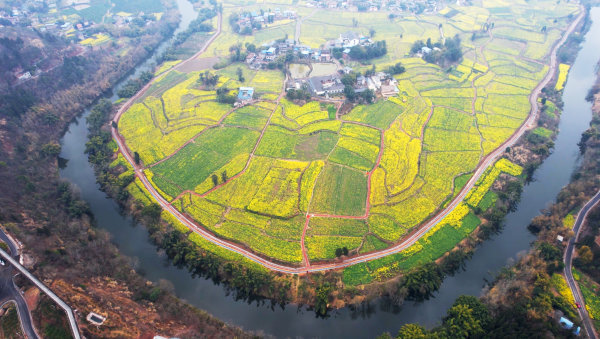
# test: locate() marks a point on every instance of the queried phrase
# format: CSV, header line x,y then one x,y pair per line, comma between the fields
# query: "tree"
x,y
114,124
460,323
136,158
240,74
396,69
338,252
411,331
585,254
98,115
349,93
250,47
322,299
422,282
345,250
152,212
480,311
215,179
51,149
224,176
368,95
371,32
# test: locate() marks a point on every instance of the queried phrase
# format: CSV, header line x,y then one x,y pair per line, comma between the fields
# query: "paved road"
x,y
70,315
568,259
406,243
9,292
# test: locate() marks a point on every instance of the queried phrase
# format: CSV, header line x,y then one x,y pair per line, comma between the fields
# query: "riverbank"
x,y
57,228
180,242
353,321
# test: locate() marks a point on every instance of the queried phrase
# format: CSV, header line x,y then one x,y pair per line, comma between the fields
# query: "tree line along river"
x,y
376,317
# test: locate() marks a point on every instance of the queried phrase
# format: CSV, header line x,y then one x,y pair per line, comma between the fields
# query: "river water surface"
x,y
377,317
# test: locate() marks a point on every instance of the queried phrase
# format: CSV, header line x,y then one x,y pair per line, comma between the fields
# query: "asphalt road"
x,y
568,259
10,292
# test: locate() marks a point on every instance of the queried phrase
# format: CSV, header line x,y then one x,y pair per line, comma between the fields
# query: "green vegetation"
x,y
274,160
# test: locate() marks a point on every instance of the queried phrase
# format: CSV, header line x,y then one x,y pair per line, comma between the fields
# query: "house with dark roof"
x,y
326,85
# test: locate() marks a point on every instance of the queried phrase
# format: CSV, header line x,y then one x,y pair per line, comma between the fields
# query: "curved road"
x,y
10,293
568,259
409,241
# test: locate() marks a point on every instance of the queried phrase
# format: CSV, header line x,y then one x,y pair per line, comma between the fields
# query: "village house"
x,y
326,85
245,94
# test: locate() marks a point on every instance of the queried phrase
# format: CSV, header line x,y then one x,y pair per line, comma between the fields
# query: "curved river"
x,y
371,319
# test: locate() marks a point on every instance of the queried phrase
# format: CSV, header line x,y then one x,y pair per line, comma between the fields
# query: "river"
x,y
377,317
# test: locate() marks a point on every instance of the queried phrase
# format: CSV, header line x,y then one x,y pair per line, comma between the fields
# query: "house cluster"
x,y
346,41
398,6
331,85
380,82
269,52
257,19
50,16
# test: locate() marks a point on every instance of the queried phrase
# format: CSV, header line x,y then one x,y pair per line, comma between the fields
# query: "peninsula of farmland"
x,y
373,185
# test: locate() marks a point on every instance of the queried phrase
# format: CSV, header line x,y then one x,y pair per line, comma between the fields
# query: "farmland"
x,y
294,183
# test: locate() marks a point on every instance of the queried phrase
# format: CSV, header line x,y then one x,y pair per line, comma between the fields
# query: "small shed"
x,y
245,93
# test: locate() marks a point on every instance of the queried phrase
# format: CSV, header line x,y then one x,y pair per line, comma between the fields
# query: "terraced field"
x,y
295,185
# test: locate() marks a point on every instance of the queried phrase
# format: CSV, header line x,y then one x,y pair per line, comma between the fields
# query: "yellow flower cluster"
x,y
559,283
563,70
484,183
309,178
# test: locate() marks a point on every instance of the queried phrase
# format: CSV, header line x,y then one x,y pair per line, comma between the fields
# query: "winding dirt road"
x,y
406,243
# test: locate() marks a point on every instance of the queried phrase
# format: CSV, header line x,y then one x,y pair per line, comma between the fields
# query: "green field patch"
x,y
450,119
257,240
438,242
323,247
163,186
240,191
247,217
458,103
204,211
309,117
235,166
346,157
248,116
308,182
277,143
315,146
357,275
137,190
340,191
364,133
488,200
210,151
223,252
147,139
385,227
277,194
380,114
289,229
329,125
543,132
371,243
444,140
337,226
